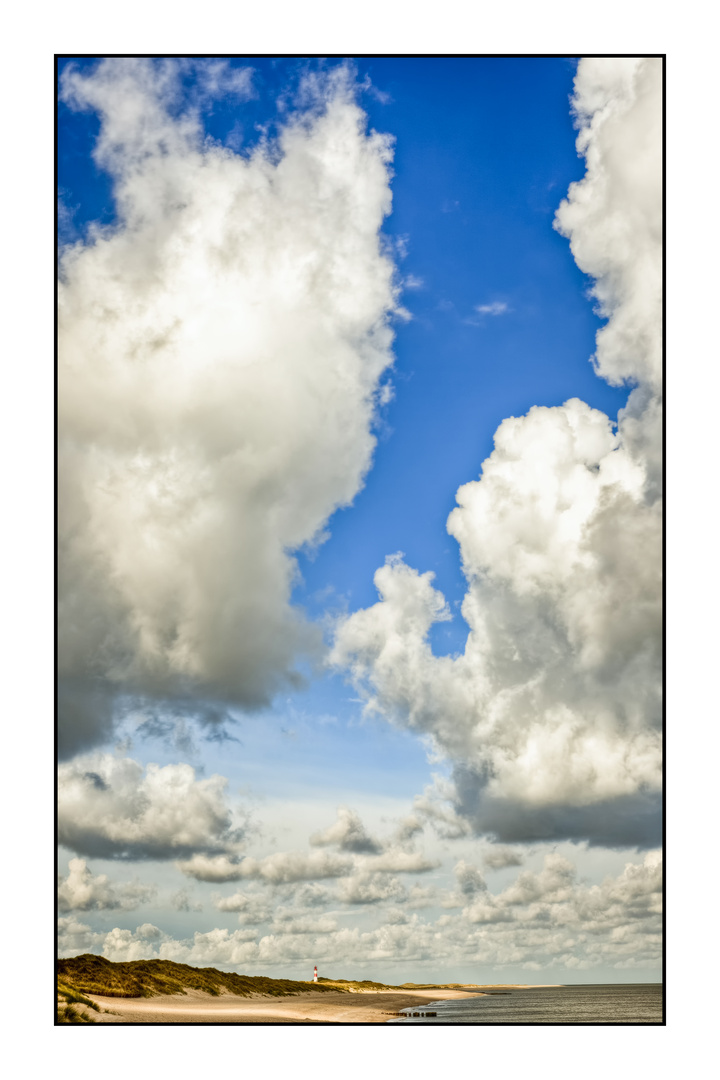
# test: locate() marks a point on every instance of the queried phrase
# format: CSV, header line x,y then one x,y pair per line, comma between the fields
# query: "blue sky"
x,y
492,315
484,150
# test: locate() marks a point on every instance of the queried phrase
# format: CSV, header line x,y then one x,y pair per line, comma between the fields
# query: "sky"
x,y
360,497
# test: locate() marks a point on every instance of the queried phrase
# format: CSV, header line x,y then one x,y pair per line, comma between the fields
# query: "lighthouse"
x,y
315,974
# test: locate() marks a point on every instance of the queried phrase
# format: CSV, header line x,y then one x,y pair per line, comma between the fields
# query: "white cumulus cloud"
x,y
552,714
370,888
280,868
220,351
82,890
497,858
545,918
251,908
110,807
348,833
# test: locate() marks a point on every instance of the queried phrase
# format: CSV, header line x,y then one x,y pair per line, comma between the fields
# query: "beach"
x,y
198,1007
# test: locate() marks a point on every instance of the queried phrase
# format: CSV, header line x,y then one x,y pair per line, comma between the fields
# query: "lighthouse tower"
x,y
315,974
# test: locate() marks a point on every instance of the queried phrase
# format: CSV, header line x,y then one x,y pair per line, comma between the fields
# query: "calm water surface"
x,y
617,1003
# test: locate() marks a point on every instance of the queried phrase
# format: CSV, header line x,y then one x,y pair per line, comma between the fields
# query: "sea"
x,y
598,1003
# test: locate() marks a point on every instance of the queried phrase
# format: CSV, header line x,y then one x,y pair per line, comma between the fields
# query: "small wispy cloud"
x,y
216,78
68,231
381,96
498,307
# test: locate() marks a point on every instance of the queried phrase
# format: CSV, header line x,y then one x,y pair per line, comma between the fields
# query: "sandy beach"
x,y
197,1007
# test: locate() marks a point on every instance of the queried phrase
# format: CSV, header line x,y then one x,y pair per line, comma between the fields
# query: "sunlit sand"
x,y
197,1007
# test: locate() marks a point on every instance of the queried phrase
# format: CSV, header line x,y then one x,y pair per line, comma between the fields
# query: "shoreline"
x,y
197,1007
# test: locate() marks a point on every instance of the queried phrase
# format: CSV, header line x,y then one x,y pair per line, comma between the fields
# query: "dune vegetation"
x,y
91,974
68,998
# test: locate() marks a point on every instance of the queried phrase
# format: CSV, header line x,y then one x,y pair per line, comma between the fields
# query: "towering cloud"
x,y
551,716
221,348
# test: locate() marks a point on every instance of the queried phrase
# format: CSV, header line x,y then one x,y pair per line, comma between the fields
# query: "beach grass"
x,y
90,974
70,995
69,1014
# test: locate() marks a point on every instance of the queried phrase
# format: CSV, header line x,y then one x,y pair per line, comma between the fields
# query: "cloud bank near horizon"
x,y
544,918
493,908
221,348
552,715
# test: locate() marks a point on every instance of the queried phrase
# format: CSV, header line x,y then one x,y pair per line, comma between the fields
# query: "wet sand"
x,y
316,1007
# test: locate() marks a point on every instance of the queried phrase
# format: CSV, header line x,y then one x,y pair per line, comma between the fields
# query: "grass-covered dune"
x,y
67,1000
90,974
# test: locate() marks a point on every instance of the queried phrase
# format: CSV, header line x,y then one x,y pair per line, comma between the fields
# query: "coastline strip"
x,y
196,1007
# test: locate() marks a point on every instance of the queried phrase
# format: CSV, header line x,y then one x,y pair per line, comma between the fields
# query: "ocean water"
x,y
616,1003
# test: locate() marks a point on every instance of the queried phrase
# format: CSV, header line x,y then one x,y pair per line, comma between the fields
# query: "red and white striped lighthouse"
x,y
315,974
